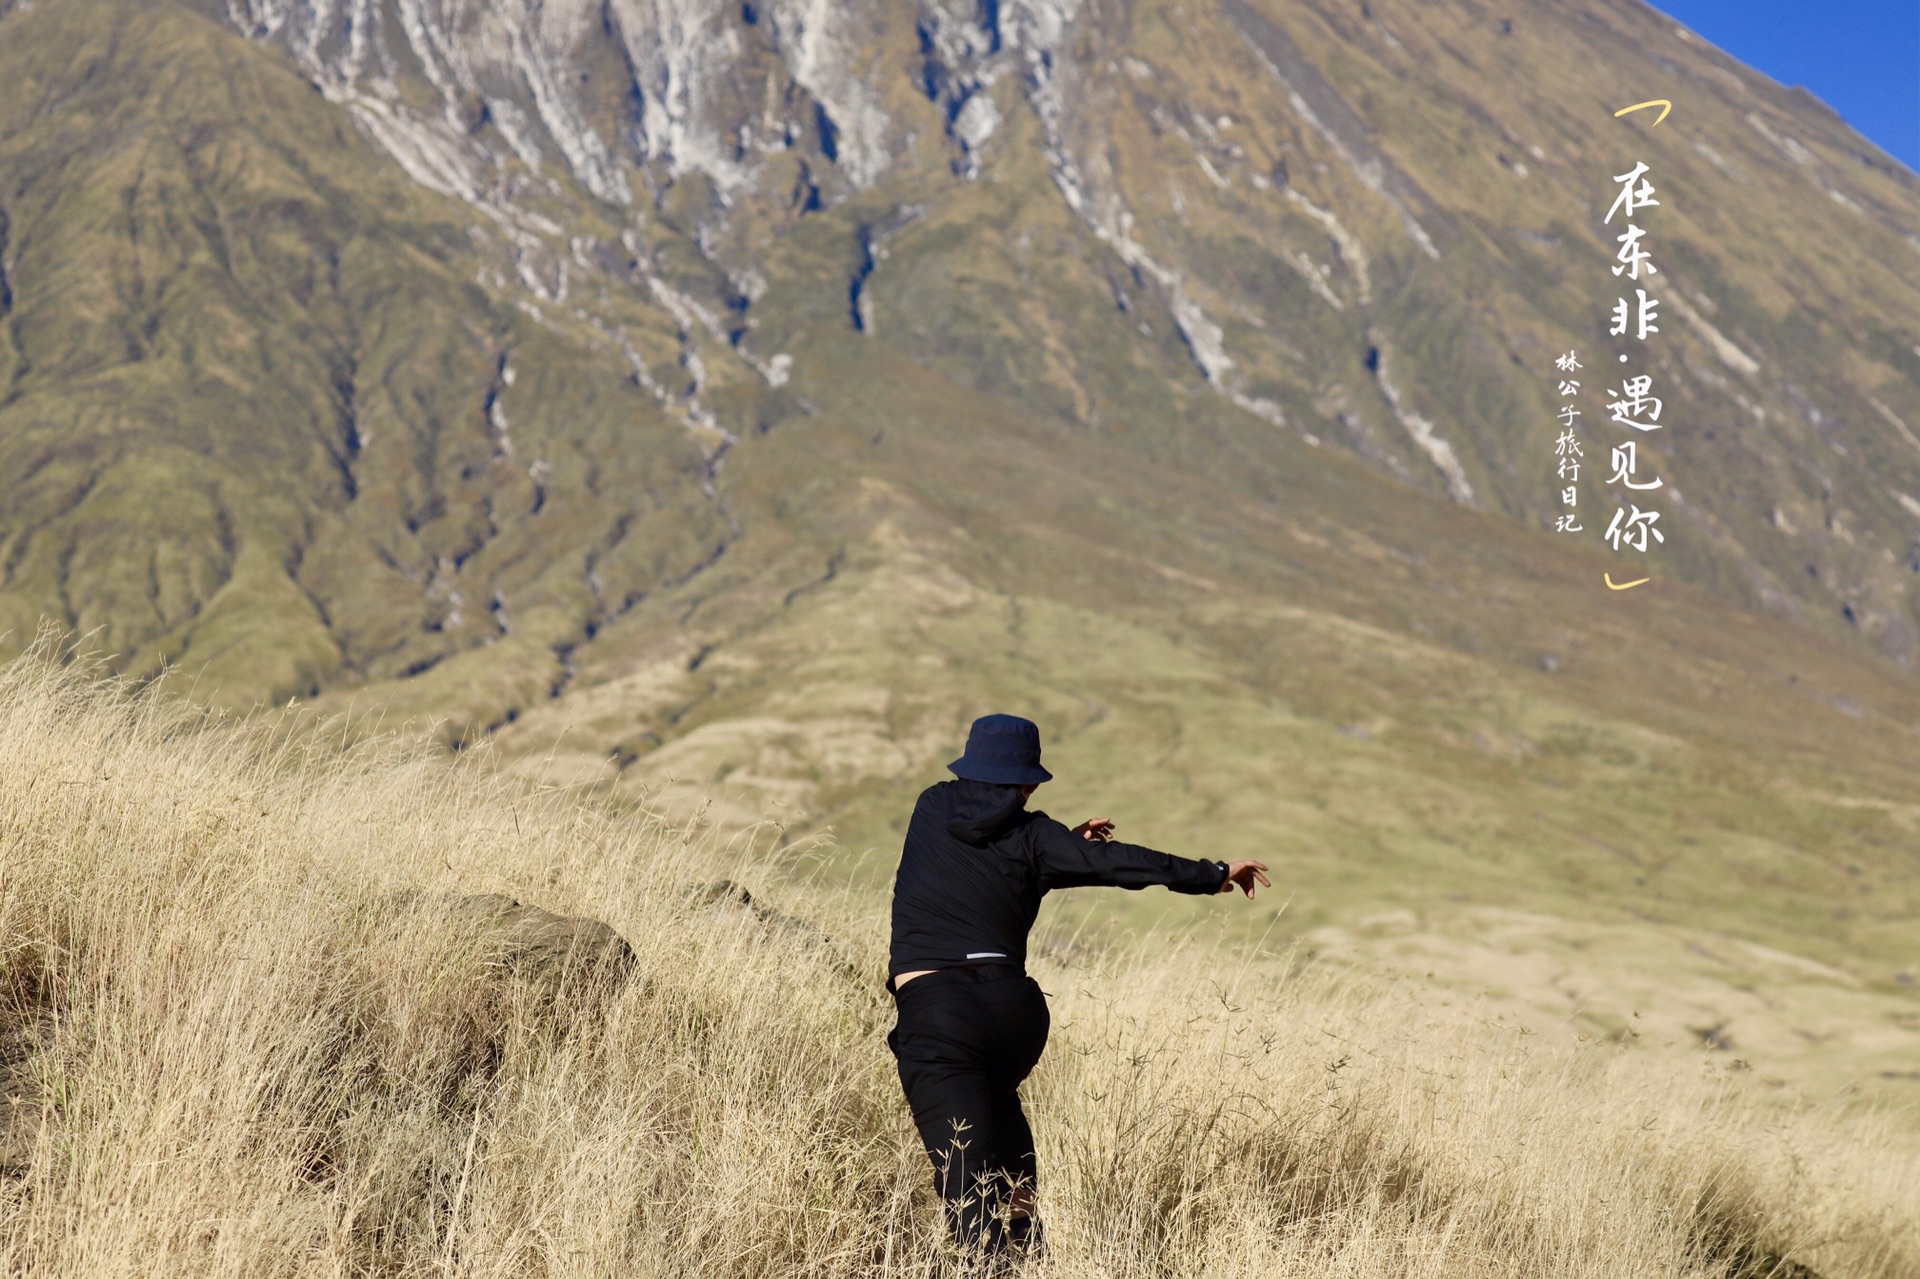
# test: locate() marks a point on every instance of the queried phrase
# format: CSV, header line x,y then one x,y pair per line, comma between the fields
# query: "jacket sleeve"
x,y
1066,860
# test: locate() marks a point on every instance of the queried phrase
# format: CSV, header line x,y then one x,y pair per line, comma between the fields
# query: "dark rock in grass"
x,y
530,942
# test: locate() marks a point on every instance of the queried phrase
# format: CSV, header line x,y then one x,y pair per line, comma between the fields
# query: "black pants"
x,y
965,1039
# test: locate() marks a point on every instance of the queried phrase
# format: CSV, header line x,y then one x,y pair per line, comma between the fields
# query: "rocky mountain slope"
x,y
1365,229
732,399
1366,225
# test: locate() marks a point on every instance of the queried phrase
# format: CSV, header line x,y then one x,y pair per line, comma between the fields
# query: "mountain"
x,y
726,402
1368,227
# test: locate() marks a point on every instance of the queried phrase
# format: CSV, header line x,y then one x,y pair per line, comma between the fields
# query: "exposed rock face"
x,y
611,93
711,87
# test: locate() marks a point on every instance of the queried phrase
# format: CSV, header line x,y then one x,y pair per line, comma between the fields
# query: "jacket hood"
x,y
978,811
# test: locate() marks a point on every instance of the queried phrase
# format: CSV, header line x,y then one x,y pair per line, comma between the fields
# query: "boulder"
x,y
530,942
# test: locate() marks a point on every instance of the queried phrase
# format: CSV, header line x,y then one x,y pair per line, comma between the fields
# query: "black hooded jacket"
x,y
976,863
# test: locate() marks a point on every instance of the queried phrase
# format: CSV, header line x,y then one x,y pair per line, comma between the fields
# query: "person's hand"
x,y
1097,829
1242,875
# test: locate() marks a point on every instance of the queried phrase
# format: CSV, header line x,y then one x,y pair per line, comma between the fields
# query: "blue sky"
x,y
1860,57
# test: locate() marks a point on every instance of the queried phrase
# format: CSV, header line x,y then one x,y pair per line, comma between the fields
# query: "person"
x,y
970,1023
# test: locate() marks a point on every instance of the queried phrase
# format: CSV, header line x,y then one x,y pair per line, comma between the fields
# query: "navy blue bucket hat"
x,y
1004,749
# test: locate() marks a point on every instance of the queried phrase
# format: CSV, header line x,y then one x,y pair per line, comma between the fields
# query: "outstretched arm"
x,y
1241,875
1088,856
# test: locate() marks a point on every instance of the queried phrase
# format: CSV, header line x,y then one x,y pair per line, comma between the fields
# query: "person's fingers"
x,y
1243,876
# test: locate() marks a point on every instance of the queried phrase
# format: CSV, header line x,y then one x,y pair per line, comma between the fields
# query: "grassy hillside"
x,y
1337,677
248,1029
522,466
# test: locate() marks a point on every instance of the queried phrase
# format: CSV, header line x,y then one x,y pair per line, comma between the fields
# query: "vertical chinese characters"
x,y
1566,449
1633,407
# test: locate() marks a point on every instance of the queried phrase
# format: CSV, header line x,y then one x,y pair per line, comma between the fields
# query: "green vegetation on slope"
x,y
260,421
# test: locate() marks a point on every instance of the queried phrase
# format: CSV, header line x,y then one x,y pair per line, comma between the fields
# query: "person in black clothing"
x,y
971,1023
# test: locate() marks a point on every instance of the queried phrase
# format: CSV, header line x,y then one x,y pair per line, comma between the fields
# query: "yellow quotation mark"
x,y
1664,105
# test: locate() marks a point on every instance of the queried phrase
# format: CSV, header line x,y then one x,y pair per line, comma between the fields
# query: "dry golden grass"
x,y
237,1048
